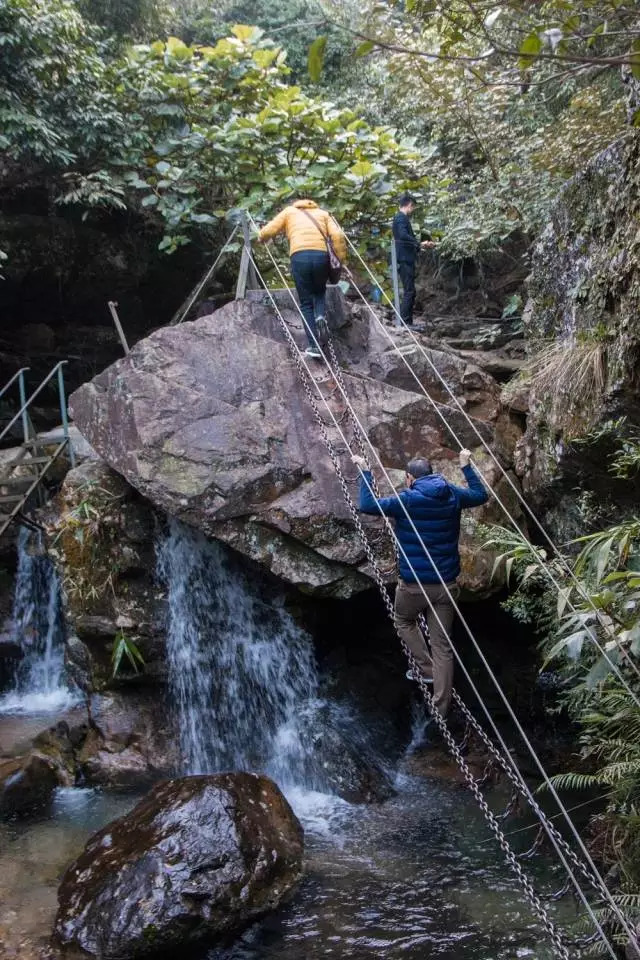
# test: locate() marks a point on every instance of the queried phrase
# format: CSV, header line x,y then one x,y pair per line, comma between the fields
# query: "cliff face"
x,y
209,421
582,322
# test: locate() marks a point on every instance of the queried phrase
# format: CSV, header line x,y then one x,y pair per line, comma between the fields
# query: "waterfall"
x,y
37,626
242,673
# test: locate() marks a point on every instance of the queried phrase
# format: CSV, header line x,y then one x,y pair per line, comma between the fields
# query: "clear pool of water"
x,y
414,878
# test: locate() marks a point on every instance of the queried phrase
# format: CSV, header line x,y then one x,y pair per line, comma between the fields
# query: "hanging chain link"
x,y
538,907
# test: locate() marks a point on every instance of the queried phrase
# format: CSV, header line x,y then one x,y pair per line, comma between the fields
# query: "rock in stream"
x,y
198,857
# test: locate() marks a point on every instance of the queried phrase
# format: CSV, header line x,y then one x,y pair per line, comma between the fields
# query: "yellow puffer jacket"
x,y
300,231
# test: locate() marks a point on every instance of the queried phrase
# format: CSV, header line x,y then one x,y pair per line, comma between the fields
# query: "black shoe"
x,y
322,328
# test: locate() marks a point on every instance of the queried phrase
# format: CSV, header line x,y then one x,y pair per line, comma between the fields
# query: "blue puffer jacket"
x,y
434,506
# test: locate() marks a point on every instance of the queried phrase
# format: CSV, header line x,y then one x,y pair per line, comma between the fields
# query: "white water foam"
x,y
241,672
37,626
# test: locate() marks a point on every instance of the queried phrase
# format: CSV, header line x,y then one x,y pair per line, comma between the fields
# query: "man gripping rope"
x,y
433,507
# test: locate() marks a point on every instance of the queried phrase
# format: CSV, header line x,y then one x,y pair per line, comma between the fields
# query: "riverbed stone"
x,y
26,783
198,858
132,743
211,423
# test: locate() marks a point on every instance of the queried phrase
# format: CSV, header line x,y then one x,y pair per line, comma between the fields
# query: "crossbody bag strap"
x,y
317,225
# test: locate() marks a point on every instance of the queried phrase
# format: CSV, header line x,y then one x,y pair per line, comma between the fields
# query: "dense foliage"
x,y
506,101
178,133
586,608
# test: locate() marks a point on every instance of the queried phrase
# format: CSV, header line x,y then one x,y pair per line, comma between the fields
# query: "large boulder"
x,y
210,421
199,857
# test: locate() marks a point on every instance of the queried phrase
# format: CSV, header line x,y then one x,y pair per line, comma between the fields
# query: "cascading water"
x,y
37,626
242,673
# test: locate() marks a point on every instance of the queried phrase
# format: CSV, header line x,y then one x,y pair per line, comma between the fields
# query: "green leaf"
x,y
316,58
365,47
177,48
635,58
529,49
363,168
246,33
150,201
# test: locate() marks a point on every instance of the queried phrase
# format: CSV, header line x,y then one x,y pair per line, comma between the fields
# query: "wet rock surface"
x,y
132,742
210,422
199,857
101,536
26,783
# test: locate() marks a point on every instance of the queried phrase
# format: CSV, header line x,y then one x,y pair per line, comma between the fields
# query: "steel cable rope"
x,y
504,473
336,370
601,885
440,721
510,767
588,629
202,283
307,378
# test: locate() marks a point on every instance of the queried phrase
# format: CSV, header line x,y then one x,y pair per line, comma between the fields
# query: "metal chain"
x,y
517,781
514,777
620,916
530,893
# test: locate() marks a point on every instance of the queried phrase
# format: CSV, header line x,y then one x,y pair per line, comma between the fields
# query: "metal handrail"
x,y
19,373
26,403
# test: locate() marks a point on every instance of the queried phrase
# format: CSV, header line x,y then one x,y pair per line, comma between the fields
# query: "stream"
x,y
417,876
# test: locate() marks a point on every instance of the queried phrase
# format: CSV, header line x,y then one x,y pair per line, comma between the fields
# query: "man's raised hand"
x,y
465,458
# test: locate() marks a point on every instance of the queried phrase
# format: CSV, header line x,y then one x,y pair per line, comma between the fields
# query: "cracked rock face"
x,y
210,422
198,857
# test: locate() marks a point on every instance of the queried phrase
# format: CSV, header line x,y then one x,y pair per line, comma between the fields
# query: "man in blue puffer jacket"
x,y
433,506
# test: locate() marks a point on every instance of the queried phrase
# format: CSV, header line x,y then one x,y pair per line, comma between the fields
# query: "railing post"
x,y
396,286
23,406
64,415
246,275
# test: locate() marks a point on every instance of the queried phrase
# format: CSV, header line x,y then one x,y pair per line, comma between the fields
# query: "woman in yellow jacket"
x,y
306,226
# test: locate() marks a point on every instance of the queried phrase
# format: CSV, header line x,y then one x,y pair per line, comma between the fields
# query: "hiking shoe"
x,y
313,352
410,676
322,328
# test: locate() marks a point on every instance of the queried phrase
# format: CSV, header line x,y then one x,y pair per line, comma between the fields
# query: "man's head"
x,y
416,468
407,203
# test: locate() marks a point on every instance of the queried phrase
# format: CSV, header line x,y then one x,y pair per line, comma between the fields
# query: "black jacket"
x,y
407,244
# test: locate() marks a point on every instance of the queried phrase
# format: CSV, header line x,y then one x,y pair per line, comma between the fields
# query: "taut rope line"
x,y
601,886
585,596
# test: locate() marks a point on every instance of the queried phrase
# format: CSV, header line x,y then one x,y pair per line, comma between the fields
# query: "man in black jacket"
x,y
407,246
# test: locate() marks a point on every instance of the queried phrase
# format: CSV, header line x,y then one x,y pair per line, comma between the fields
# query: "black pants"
x,y
407,273
310,269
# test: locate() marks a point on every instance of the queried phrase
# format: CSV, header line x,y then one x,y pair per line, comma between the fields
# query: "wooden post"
x,y
396,285
118,325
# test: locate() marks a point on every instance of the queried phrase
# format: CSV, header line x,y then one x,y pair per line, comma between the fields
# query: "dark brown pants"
x,y
410,603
